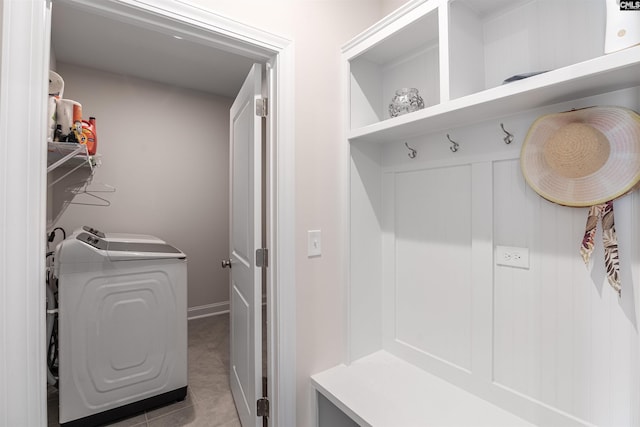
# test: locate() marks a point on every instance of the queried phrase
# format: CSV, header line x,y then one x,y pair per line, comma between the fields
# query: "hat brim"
x,y
617,176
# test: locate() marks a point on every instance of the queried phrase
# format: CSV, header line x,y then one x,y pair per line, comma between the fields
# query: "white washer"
x,y
122,325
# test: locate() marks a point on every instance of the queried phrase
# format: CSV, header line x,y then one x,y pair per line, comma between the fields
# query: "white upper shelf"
x,y
599,75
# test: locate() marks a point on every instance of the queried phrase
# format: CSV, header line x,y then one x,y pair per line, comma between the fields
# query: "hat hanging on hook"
x,y
586,158
583,157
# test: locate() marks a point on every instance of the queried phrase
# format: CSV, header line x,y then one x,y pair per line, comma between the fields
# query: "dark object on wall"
x,y
523,76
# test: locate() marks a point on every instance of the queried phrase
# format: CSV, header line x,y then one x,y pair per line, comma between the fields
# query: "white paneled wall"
x,y
433,262
552,343
561,335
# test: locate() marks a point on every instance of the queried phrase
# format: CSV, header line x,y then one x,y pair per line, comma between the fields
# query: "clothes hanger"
x,y
84,189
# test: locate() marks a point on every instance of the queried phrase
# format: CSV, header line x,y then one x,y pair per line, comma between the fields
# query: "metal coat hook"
x,y
508,139
454,146
412,152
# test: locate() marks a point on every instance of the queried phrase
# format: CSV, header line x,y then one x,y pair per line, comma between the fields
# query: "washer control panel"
x,y
93,231
92,240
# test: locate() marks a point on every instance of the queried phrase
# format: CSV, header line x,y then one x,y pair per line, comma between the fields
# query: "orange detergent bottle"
x,y
89,131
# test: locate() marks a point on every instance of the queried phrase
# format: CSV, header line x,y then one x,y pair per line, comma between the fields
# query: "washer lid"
x,y
131,251
121,237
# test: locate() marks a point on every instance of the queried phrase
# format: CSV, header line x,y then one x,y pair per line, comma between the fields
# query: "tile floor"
x,y
209,402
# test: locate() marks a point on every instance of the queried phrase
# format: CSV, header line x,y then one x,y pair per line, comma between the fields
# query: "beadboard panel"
x,y
432,285
373,86
561,334
418,70
534,31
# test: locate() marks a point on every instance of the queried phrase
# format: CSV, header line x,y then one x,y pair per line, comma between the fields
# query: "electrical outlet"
x,y
511,256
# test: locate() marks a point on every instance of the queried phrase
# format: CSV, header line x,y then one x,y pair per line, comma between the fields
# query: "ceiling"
x,y
88,39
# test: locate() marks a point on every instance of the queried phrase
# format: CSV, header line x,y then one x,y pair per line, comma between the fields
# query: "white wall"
x,y
165,150
1,29
389,6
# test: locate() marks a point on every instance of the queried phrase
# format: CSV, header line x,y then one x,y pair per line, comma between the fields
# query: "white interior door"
x,y
245,239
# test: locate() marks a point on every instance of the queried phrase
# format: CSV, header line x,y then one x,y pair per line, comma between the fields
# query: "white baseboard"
x,y
207,310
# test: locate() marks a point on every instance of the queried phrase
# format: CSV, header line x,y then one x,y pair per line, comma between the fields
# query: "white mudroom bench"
x,y
382,390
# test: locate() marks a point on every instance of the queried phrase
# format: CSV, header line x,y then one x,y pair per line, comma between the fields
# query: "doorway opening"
x,y
155,24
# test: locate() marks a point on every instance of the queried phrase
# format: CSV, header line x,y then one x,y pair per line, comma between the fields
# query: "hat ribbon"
x,y
611,261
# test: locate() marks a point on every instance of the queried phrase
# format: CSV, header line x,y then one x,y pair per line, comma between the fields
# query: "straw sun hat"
x,y
583,157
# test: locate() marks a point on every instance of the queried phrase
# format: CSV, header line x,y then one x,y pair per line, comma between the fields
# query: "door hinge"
x,y
263,407
262,257
261,107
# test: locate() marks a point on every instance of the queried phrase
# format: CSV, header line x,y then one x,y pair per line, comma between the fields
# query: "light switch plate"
x,y
511,256
314,243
